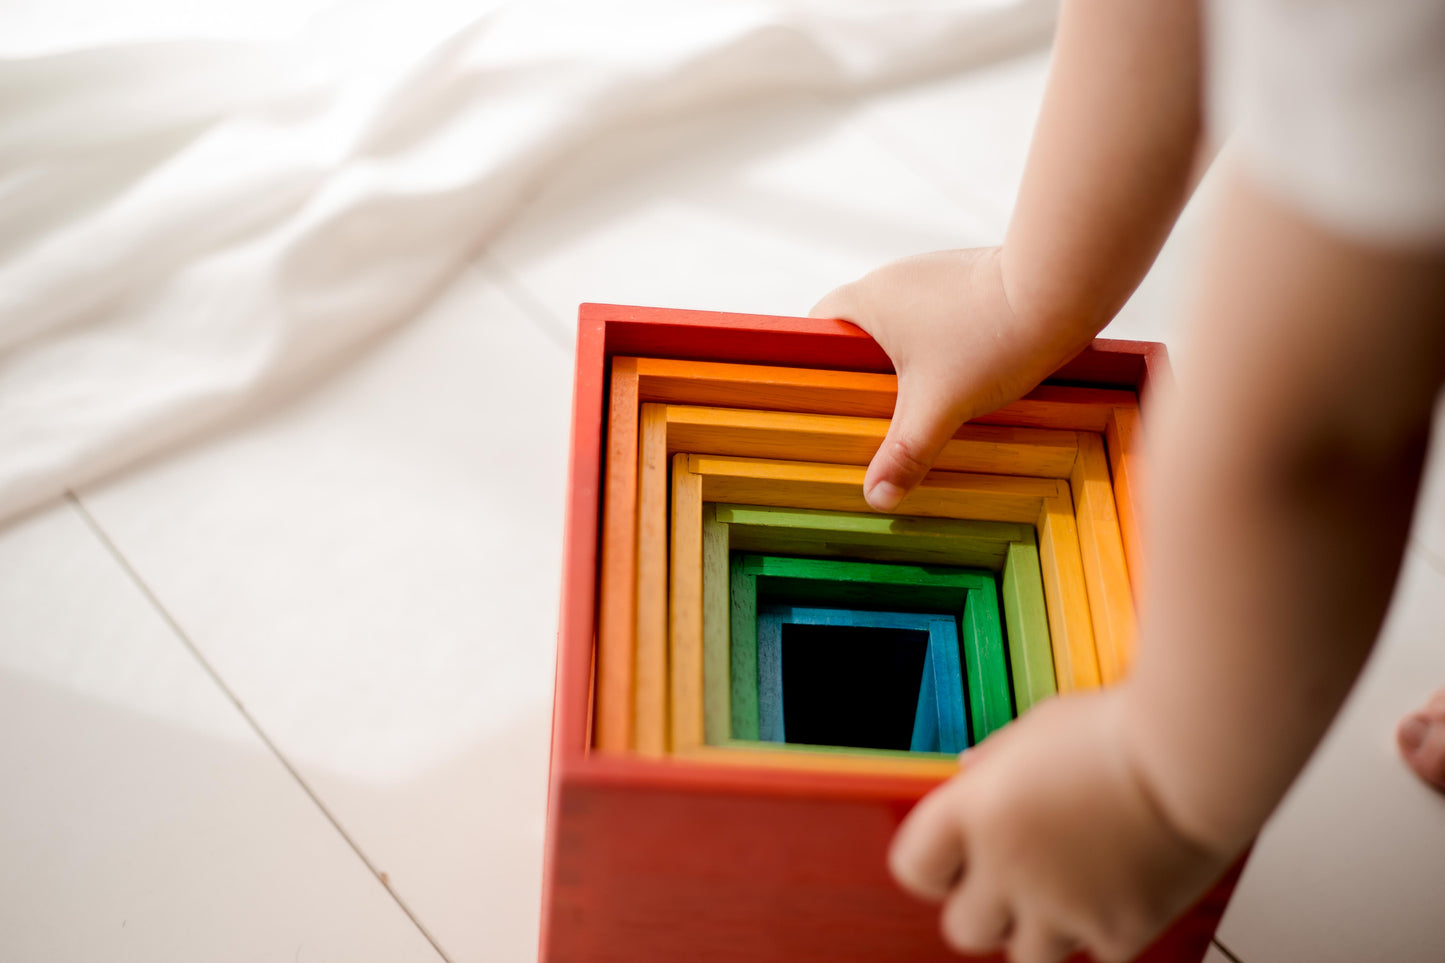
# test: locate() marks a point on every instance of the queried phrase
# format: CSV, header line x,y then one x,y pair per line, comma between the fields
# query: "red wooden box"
x,y
660,860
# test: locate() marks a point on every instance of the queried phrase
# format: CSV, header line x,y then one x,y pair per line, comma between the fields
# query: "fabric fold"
x,y
215,221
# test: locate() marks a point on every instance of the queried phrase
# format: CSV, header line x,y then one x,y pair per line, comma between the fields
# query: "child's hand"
x,y
1049,841
959,349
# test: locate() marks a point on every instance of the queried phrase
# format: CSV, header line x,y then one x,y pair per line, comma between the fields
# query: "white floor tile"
x,y
143,819
760,208
1352,867
968,133
373,570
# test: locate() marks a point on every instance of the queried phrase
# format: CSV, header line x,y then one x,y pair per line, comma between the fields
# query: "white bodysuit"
x,y
1338,108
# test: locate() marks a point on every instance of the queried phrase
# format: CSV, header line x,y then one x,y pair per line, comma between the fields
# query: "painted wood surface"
x,y
942,658
766,530
1076,665
838,439
743,675
821,760
618,599
1066,596
791,484
855,582
1124,440
647,873
990,702
577,611
1051,451
926,736
925,540
987,447
883,538
933,717
650,697
716,630
1066,600
1106,575
686,643
1045,501
817,390
1031,656
848,752
606,331
1109,362
768,830
970,596
770,677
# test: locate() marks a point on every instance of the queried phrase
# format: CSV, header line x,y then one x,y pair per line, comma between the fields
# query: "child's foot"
x,y
1422,741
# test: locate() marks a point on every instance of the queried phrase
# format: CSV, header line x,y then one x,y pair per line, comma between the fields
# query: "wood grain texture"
x,y
840,488
618,599
658,860
942,664
857,582
650,698
1046,453
779,888
943,541
970,595
1047,500
716,625
838,439
1124,441
836,751
1106,575
770,677
825,759
743,657
685,653
577,611
864,394
1041,451
1031,656
926,736
944,670
1076,665
985,664
927,541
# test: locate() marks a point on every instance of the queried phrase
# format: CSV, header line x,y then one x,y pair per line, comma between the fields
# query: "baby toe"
x,y
1421,738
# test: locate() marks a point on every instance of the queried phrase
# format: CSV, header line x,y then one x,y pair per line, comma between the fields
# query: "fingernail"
x,y
884,496
1412,733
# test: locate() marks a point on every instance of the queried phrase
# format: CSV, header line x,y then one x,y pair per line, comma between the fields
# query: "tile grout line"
x,y
1225,950
1429,555
490,267
255,726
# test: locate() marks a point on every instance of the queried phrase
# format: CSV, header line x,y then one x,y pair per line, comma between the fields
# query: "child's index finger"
x,y
927,854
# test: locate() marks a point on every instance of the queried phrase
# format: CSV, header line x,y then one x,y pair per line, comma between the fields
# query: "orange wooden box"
x,y
663,859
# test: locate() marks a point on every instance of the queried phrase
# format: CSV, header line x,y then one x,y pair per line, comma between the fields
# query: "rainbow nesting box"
x,y
758,676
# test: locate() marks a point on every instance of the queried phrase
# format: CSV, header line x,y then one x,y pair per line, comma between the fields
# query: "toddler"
x,y
1284,475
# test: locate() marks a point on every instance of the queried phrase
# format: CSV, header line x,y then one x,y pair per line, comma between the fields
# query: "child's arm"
x,y
1286,479
1108,171
1284,486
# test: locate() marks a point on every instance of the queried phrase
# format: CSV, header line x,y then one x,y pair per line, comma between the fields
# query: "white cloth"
x,y
190,223
1338,107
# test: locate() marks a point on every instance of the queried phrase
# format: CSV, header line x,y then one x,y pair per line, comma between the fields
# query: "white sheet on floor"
x,y
197,216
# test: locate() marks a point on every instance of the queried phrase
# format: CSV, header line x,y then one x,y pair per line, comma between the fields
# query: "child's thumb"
x,y
920,428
